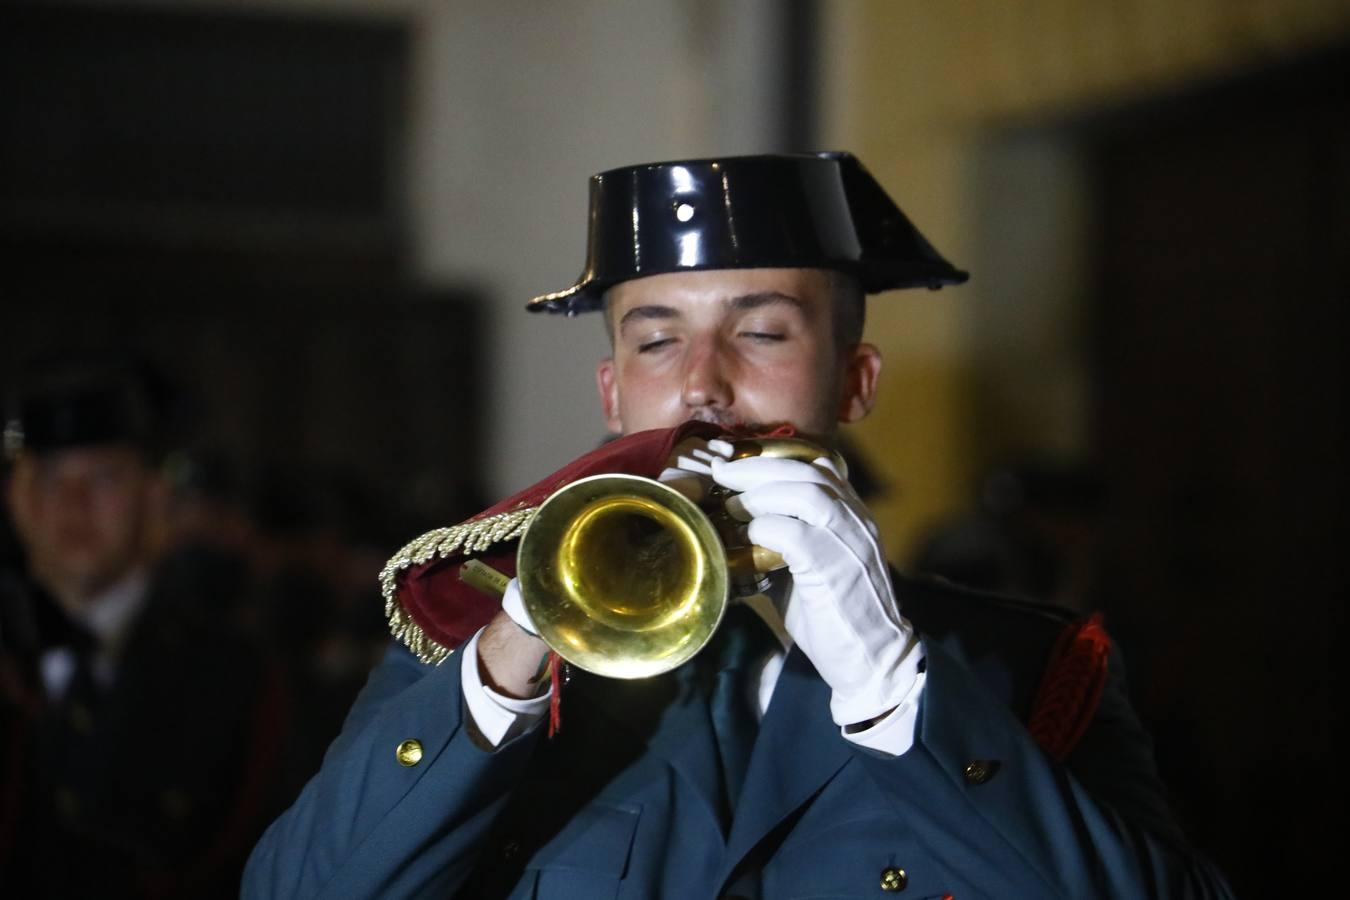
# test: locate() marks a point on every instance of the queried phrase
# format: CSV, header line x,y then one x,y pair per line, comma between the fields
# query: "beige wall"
x,y
922,92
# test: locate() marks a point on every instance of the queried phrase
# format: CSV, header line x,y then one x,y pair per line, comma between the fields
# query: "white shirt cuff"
x,y
498,717
893,734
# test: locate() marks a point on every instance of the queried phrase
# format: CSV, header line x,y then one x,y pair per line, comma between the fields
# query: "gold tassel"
x,y
473,536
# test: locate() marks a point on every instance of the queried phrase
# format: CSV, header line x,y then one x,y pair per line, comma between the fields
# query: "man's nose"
x,y
706,381
73,496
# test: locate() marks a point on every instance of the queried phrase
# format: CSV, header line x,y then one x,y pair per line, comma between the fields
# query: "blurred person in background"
x,y
1034,531
141,724
317,544
207,504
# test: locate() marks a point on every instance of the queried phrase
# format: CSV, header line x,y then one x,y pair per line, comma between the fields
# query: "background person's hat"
x,y
821,210
78,399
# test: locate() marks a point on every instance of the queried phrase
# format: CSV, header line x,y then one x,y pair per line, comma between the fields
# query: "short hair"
x,y
849,309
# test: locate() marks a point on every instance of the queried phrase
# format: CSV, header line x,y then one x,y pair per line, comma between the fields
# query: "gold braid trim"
x,y
466,538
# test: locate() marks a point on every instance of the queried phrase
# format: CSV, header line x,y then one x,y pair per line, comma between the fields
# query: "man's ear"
x,y
608,386
159,519
17,487
858,387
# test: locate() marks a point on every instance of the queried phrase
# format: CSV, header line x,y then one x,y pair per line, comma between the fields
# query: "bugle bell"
x,y
626,577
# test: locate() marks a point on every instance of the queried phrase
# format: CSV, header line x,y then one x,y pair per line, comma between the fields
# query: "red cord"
x,y
555,703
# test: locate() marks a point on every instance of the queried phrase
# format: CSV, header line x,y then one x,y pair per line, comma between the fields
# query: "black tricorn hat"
x,y
802,210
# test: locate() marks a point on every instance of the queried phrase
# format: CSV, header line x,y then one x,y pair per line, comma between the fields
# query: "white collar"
x,y
109,615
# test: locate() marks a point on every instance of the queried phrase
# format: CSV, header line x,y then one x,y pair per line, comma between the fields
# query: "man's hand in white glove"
x,y
689,470
841,609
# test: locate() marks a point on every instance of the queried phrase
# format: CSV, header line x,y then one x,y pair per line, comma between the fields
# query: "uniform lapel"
x,y
961,723
797,751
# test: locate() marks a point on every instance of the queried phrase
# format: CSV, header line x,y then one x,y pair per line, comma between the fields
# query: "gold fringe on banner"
x,y
466,539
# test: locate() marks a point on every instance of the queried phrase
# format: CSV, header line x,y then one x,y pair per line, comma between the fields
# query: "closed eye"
x,y
649,346
764,336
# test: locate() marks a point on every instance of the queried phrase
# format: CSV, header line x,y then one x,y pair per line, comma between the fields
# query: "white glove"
x,y
514,606
841,608
690,470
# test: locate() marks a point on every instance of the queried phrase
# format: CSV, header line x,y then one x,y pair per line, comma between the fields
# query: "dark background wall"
x,y
1220,380
223,192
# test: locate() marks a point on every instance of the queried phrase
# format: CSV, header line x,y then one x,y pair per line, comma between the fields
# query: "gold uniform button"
x,y
980,770
409,753
893,879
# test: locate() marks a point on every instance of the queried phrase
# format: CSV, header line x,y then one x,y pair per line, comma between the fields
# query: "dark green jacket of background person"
x,y
157,784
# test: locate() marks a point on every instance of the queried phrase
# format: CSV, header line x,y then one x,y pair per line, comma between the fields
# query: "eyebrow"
x,y
650,311
739,303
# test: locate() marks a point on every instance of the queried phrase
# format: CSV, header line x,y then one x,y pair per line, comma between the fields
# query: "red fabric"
x,y
555,665
449,611
1071,687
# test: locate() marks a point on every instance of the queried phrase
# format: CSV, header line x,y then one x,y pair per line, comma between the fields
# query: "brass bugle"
x,y
626,577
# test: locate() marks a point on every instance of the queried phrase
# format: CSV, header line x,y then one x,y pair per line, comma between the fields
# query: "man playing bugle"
x,y
843,731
